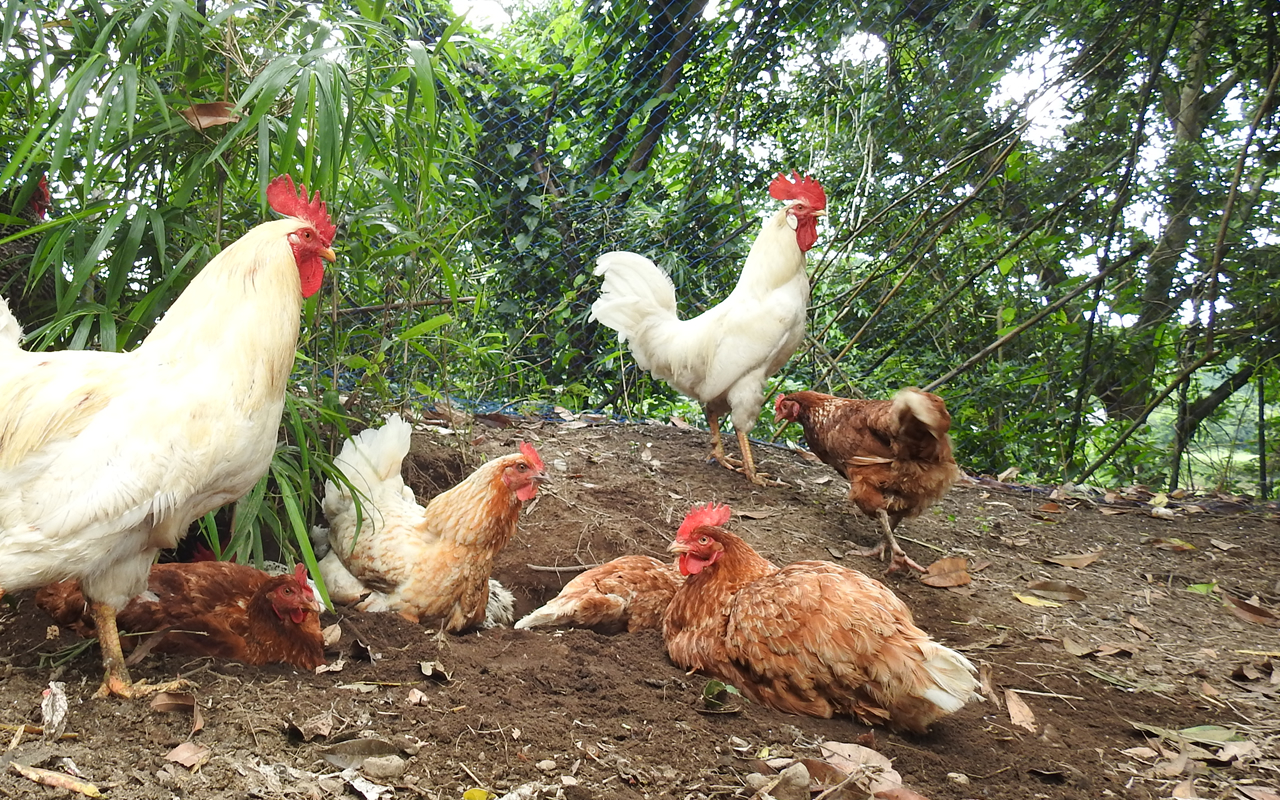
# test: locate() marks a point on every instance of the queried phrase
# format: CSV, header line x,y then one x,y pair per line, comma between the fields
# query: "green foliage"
x,y
475,179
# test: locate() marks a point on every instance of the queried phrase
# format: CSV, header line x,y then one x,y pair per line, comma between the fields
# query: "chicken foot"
x,y
900,558
747,466
116,681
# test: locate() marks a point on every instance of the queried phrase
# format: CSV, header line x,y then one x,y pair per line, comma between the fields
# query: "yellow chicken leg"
x,y
747,466
116,681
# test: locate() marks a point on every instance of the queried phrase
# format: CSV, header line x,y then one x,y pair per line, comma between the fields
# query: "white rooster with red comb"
x,y
722,357
106,458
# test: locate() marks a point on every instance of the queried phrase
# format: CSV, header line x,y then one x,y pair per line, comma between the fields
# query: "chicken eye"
x,y
522,467
703,540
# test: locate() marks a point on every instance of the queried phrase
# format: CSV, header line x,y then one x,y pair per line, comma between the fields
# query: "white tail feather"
x,y
634,292
952,675
10,330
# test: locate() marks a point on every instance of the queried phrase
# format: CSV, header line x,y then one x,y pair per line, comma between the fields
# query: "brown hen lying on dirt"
x,y
812,638
896,454
211,608
629,593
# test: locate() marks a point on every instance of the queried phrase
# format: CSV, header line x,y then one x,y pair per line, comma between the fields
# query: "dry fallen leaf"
x,y
1052,508
1038,602
763,513
1185,791
1221,545
1075,648
1252,613
1056,590
1176,545
854,759
946,572
332,634
189,755
1258,792
1019,712
1075,560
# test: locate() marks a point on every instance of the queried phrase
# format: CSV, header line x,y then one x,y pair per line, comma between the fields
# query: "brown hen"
x,y
812,638
896,454
211,608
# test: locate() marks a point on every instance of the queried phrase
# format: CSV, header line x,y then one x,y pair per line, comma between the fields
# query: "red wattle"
x,y
312,274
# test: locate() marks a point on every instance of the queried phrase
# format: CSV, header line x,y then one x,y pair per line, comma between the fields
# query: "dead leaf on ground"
x,y
947,572
1019,712
1253,613
332,634
434,670
1117,649
854,759
1185,791
1176,545
175,701
1160,512
1056,590
763,513
1076,648
1038,602
1221,545
190,755
319,725
1075,560
1258,792
353,752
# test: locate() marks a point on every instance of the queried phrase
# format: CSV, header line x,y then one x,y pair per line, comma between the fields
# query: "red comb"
x,y
707,514
534,459
300,575
284,199
804,189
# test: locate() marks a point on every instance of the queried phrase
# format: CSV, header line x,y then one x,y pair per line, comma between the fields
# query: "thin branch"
x,y
982,355
1142,418
405,304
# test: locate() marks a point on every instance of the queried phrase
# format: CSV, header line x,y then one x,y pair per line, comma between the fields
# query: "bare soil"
x,y
576,714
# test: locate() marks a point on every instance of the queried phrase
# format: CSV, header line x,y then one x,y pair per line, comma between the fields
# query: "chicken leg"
x,y
900,558
747,466
116,681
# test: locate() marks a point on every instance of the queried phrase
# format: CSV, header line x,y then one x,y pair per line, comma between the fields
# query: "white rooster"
x,y
106,458
722,357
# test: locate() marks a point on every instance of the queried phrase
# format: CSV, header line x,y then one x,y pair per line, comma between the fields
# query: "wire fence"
x,y
1056,217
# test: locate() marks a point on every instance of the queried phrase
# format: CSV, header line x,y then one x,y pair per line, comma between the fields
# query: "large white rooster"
x,y
722,357
106,458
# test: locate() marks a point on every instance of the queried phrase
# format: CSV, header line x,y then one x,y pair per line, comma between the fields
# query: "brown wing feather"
x,y
896,454
818,639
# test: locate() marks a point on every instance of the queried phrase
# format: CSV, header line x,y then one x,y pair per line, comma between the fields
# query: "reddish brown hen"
x,y
811,638
211,608
896,454
628,593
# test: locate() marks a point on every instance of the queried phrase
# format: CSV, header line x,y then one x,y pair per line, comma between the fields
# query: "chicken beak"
x,y
677,547
328,255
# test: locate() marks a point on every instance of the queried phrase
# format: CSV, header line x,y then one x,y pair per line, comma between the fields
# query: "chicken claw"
x,y
747,466
116,681
899,559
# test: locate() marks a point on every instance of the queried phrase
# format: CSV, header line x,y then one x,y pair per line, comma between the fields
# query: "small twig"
x,y
922,544
1047,694
990,774
571,568
838,786
467,770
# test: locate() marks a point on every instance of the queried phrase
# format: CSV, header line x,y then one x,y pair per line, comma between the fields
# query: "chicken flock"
x,y
107,458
